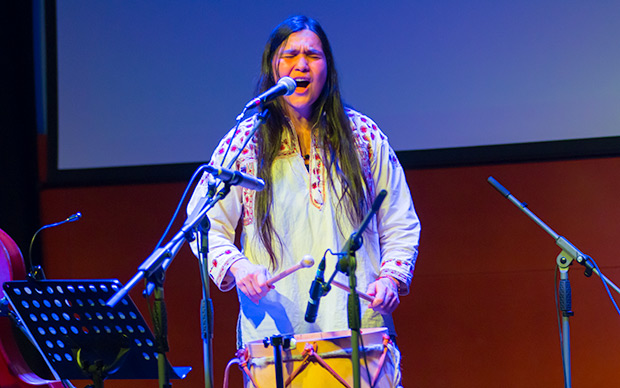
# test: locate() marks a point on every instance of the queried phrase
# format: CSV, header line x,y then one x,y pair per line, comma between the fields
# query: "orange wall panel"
x,y
481,312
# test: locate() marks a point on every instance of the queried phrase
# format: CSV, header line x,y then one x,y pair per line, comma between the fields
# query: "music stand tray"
x,y
79,335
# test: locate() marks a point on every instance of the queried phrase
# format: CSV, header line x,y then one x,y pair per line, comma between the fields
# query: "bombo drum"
x,y
324,360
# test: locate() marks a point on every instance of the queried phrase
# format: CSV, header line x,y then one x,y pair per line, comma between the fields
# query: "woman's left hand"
x,y
385,295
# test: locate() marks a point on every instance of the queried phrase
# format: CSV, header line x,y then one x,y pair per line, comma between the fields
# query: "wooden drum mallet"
x,y
306,262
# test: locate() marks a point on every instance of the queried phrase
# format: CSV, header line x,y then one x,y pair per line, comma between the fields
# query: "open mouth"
x,y
302,83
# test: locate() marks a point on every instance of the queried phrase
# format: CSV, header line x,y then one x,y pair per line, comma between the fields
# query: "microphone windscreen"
x,y
289,83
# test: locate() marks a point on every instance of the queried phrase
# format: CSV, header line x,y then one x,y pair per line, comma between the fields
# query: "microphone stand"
x,y
201,230
153,270
36,272
154,267
564,260
347,264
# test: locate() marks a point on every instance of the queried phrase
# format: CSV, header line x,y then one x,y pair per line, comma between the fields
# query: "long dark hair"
x,y
334,132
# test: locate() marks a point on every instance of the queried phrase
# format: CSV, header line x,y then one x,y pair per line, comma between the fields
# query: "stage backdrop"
x,y
153,83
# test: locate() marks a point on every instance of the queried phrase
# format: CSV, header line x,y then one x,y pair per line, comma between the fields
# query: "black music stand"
x,y
79,336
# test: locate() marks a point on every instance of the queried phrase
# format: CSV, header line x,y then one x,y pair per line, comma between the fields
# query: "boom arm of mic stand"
x,y
260,120
355,241
159,259
560,241
162,257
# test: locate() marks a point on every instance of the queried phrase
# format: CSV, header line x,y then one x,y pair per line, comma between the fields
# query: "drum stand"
x,y
564,260
278,342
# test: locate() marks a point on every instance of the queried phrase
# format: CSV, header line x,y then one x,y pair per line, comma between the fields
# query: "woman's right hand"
x,y
251,279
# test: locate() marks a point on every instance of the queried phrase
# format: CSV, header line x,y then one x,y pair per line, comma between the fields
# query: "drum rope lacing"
x,y
309,354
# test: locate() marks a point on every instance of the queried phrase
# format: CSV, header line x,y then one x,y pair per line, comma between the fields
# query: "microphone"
x,y
236,178
285,87
316,292
498,186
71,218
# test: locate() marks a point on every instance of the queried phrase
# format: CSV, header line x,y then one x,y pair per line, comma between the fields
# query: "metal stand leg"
x,y
161,335
564,292
278,342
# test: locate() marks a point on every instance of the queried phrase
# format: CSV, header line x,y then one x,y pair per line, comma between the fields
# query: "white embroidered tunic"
x,y
308,221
